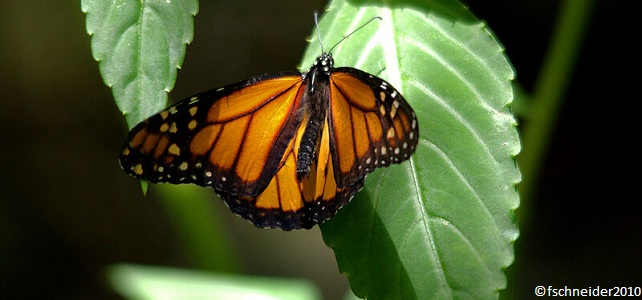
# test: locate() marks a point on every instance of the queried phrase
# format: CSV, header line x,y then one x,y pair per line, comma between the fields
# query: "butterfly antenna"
x,y
316,22
347,36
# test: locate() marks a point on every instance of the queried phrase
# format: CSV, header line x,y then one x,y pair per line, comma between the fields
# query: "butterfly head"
x,y
319,73
324,63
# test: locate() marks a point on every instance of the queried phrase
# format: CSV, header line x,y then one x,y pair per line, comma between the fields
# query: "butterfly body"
x,y
315,102
285,150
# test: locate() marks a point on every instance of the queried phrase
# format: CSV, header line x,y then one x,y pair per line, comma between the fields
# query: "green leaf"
x,y
441,225
146,282
139,45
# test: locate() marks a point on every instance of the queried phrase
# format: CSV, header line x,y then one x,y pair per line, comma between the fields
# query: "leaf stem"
x,y
550,89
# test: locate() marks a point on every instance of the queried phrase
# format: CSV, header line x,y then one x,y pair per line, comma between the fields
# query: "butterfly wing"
x,y
371,125
231,139
243,140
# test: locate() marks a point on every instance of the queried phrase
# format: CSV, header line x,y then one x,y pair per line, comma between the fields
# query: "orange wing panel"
x,y
358,93
149,143
229,143
203,140
342,125
360,132
260,137
138,138
253,97
374,127
161,146
289,192
283,191
269,199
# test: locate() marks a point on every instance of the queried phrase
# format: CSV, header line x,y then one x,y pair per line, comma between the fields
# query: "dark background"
x,y
67,210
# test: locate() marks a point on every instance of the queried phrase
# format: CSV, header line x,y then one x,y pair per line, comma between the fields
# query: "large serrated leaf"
x,y
441,225
139,46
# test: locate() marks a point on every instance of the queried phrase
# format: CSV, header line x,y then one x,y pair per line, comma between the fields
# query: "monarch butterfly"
x,y
284,150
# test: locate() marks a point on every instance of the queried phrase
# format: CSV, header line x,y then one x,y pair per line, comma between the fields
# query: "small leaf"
x,y
139,45
441,225
148,282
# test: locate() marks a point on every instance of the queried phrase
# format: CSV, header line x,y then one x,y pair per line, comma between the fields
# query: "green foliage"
x,y
440,225
139,45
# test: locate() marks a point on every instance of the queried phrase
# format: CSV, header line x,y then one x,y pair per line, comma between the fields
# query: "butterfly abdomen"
x,y
307,147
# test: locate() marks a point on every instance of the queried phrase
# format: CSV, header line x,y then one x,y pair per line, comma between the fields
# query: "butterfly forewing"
x,y
230,138
372,125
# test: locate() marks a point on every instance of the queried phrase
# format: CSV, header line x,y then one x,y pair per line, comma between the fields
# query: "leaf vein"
x,y
462,178
426,224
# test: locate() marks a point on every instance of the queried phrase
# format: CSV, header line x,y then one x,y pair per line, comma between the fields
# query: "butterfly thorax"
x,y
315,105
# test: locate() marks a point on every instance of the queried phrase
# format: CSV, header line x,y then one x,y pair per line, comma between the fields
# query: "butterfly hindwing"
x,y
289,204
